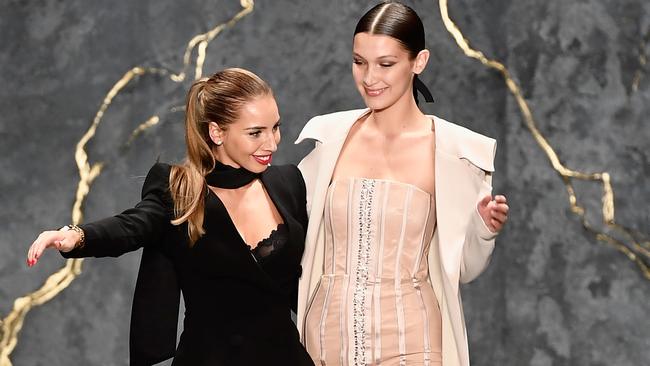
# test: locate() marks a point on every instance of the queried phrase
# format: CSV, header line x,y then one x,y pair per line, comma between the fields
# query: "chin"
x,y
377,105
256,167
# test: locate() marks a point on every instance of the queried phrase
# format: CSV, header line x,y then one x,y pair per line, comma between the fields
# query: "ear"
x,y
421,61
216,133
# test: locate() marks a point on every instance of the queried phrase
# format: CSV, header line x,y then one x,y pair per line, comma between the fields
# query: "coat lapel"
x,y
330,153
318,173
449,180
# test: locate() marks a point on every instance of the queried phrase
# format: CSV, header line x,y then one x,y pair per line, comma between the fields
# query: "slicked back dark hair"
x,y
396,20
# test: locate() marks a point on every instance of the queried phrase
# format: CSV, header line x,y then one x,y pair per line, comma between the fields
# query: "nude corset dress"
x,y
374,305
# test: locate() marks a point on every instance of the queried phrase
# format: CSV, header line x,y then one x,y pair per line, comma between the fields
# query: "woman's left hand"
x,y
494,212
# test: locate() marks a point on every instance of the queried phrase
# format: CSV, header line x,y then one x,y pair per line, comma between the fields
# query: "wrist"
x,y
79,243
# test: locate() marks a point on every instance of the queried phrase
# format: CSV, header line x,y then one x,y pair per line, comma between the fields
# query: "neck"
x,y
221,157
403,116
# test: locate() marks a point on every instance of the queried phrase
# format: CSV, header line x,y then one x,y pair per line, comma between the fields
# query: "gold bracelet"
x,y
82,235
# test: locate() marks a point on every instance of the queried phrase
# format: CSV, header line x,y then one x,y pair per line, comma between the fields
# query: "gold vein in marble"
x,y
643,60
12,324
152,121
631,245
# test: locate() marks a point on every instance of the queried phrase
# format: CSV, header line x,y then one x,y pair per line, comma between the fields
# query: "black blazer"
x,y
237,309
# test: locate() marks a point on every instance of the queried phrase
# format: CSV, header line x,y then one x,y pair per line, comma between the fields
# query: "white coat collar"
x,y
330,127
336,126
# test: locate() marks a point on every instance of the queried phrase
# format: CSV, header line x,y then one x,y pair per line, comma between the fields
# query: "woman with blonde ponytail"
x,y
224,227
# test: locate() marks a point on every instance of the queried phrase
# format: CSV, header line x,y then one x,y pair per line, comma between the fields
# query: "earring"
x,y
219,143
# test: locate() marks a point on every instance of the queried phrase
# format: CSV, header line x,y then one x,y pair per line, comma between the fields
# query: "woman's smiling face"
x,y
382,69
251,140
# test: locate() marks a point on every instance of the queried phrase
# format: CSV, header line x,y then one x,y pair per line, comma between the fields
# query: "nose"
x,y
369,76
271,144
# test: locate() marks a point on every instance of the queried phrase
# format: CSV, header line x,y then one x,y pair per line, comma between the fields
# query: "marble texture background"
x,y
553,294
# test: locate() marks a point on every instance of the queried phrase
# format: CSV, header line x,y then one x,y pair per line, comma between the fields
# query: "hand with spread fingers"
x,y
494,212
63,240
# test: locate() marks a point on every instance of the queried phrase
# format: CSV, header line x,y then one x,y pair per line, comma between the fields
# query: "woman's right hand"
x,y
62,240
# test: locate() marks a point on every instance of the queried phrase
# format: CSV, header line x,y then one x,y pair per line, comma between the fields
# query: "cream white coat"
x,y
462,244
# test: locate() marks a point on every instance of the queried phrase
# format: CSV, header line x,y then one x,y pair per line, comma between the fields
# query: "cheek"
x,y
242,146
400,78
357,74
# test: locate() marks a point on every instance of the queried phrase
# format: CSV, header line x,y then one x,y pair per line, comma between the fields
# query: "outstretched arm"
x,y
114,236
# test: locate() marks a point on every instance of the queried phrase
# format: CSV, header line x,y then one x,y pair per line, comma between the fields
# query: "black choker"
x,y
225,176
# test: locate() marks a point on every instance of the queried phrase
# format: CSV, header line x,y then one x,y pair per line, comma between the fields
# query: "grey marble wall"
x,y
553,295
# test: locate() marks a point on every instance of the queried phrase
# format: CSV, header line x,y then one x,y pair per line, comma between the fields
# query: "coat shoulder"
x,y
158,175
157,183
326,126
466,144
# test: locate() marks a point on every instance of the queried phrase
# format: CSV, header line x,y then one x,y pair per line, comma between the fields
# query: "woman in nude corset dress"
x,y
400,213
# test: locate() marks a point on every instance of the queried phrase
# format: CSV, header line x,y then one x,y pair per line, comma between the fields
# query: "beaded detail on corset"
x,y
373,304
363,261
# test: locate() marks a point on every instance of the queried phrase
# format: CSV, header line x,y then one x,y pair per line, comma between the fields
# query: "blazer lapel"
x,y
270,184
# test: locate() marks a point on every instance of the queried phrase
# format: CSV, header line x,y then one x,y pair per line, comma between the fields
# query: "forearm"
x,y
136,227
114,236
477,249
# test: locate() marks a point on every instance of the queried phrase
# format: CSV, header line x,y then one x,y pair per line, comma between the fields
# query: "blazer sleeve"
x,y
479,240
136,227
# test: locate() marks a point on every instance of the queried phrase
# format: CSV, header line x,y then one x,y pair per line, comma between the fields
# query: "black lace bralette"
x,y
276,240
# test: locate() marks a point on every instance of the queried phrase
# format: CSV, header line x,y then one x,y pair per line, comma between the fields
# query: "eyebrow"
x,y
260,127
380,57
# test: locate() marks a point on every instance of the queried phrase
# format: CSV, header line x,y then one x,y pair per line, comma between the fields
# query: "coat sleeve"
x,y
479,240
135,227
